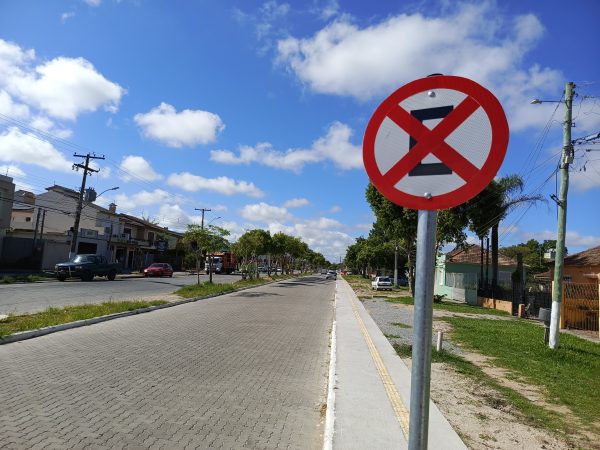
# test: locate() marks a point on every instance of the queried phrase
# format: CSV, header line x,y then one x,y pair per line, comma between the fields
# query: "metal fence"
x,y
580,306
538,295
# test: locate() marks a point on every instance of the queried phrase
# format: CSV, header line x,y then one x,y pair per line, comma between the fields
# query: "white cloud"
x,y
9,108
475,41
93,3
143,198
137,168
335,146
66,16
184,129
45,125
66,87
262,212
331,8
223,185
296,203
175,218
335,209
573,239
27,148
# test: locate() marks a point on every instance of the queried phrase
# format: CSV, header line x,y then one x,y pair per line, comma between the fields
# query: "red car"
x,y
158,270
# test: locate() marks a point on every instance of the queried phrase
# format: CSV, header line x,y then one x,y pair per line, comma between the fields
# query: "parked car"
x,y
384,283
331,275
158,270
86,267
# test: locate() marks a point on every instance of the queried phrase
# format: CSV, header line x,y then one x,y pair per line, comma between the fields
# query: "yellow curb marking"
x,y
390,388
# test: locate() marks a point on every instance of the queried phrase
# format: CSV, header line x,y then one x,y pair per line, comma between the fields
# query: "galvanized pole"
x,y
565,159
396,266
423,312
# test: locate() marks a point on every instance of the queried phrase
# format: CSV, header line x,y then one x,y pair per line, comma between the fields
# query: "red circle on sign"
x,y
475,179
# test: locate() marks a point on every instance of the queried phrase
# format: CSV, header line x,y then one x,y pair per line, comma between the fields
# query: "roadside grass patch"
x,y
400,325
391,336
569,374
206,288
31,278
451,306
531,413
57,316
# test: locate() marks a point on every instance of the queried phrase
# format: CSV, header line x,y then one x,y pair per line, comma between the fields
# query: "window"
x,y
151,237
27,219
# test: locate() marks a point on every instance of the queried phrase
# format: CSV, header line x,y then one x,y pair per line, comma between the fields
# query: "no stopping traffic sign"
x,y
435,142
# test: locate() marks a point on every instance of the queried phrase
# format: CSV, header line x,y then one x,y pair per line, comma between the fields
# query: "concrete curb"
x,y
82,323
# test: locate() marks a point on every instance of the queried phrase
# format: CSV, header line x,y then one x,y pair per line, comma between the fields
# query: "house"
x,y
138,242
7,190
41,231
582,267
458,273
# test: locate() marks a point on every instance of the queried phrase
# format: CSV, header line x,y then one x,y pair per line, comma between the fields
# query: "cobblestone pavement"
x,y
246,370
387,315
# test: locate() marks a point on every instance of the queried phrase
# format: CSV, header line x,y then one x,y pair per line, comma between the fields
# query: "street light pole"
x,y
565,160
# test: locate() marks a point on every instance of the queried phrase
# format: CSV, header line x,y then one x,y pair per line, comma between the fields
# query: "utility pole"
x,y
86,168
203,211
37,223
565,159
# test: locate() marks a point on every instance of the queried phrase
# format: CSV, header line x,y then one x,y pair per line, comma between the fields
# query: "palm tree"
x,y
492,206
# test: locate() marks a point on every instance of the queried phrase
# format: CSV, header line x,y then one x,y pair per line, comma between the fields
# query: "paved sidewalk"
x,y
372,386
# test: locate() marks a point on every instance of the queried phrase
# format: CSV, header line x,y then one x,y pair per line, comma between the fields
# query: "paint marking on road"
x,y
399,409
330,414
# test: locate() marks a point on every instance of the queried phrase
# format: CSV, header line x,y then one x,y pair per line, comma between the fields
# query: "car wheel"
x,y
87,276
111,275
171,276
61,278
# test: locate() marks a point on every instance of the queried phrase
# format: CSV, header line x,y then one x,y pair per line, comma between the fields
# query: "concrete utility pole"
x,y
86,168
203,211
565,159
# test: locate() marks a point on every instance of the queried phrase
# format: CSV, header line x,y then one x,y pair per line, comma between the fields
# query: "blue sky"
x,y
257,109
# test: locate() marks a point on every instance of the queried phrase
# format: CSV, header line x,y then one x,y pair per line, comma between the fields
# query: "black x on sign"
x,y
435,142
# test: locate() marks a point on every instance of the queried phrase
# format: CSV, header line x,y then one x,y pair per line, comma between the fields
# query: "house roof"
x,y
150,224
590,257
472,255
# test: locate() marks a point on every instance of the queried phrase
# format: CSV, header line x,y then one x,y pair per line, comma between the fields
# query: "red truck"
x,y
222,262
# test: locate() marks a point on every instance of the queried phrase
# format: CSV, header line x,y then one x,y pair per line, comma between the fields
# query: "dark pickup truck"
x,y
86,267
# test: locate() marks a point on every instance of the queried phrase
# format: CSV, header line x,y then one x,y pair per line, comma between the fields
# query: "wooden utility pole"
x,y
86,169
203,211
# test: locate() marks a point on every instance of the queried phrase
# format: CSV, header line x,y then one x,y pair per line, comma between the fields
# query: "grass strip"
x,y
400,324
569,374
31,278
207,288
532,414
451,306
57,316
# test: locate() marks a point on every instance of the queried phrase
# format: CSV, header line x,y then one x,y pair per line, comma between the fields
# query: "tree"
x,y
496,201
250,246
205,240
400,226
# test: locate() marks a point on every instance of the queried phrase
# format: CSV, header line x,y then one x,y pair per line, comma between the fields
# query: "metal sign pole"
x,y
422,322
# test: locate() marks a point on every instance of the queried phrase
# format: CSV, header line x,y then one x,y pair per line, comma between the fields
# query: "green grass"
x,y
56,316
451,306
400,324
203,289
570,374
31,278
392,336
532,414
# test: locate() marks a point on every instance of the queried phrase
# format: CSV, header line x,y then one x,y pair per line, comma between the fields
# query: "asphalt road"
x,y
244,370
31,297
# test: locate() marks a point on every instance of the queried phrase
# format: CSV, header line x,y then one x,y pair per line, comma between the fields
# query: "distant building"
x,y
582,267
7,191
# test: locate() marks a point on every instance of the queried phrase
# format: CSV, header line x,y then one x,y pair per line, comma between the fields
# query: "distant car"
x,y
402,281
331,275
384,283
158,270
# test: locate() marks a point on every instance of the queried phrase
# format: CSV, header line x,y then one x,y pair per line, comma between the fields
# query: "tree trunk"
x,y
494,257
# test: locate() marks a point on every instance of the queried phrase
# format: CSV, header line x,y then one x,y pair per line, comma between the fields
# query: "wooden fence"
x,y
580,307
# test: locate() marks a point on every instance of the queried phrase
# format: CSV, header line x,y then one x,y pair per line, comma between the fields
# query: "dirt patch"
x,y
480,415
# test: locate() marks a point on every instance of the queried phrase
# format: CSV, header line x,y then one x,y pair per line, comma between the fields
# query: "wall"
x,y
54,253
7,192
492,303
577,274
